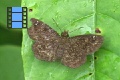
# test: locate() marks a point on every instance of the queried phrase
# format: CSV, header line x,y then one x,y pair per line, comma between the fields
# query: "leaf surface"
x,y
71,15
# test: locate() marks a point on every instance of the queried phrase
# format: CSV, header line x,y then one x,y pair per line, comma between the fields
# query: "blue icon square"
x,y
16,24
16,9
16,16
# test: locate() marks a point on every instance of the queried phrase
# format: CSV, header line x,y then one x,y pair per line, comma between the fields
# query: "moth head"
x,y
65,34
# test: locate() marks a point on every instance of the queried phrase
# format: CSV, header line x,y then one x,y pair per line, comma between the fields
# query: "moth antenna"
x,y
56,24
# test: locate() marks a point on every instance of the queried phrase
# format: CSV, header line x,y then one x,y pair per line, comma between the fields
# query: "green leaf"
x,y
71,15
3,9
9,36
11,63
108,58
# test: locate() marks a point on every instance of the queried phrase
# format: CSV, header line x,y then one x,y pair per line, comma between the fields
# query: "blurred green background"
x,y
11,67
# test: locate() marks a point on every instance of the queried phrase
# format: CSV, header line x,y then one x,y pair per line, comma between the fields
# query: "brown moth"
x,y
50,46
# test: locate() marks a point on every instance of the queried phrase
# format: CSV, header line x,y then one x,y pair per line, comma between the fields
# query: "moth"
x,y
71,51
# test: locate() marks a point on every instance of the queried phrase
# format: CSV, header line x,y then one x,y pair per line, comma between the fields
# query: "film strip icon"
x,y
17,17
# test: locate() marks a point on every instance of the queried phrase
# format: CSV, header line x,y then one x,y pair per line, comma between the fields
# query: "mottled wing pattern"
x,y
79,47
40,30
89,43
46,40
72,51
45,50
